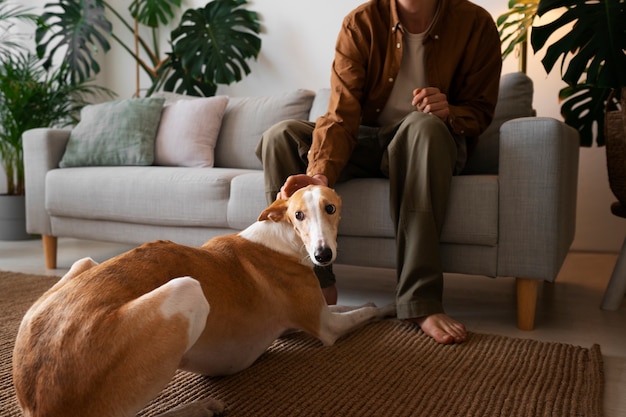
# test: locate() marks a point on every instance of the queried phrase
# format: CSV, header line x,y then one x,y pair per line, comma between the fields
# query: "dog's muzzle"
x,y
323,255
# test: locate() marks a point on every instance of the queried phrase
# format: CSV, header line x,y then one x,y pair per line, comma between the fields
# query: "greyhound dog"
x,y
107,338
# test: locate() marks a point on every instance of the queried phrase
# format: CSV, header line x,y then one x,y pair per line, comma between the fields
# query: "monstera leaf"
x,y
595,43
78,30
592,53
583,108
211,46
153,13
173,77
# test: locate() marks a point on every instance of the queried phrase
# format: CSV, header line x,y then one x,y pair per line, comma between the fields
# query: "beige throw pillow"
x,y
188,132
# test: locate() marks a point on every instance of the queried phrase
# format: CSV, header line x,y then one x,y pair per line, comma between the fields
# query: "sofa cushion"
x,y
247,200
515,99
247,118
119,132
168,196
367,214
188,131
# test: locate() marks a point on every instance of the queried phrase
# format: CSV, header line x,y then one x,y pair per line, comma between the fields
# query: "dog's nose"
x,y
323,254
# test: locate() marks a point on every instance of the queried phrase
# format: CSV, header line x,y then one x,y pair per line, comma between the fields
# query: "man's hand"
x,y
295,182
431,100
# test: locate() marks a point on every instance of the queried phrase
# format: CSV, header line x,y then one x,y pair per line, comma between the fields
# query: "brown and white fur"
x,y
107,338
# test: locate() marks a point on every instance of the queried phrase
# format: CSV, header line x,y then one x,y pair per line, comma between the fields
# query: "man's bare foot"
x,y
441,327
330,294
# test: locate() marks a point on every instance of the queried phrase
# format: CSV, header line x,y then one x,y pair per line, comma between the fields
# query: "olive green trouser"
x,y
418,156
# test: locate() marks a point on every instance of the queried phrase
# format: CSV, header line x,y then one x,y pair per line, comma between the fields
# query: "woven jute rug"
x,y
384,369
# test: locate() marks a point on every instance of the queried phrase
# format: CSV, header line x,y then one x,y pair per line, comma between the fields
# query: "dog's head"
x,y
314,212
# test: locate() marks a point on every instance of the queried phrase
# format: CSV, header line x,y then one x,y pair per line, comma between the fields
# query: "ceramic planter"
x,y
13,217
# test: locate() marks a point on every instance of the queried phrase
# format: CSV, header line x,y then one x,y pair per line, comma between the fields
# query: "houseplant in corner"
x,y
210,45
30,97
589,39
592,53
12,203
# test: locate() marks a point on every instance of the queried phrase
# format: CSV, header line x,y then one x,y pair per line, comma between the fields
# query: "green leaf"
x,y
154,12
33,97
514,24
77,32
173,77
10,40
583,108
595,44
212,45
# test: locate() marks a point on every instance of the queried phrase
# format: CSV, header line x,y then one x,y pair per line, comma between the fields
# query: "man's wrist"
x,y
321,177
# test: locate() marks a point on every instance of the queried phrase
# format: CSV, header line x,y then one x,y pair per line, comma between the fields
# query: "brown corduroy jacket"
x,y
462,59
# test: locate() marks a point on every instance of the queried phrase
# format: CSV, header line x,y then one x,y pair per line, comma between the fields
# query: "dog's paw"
x,y
206,407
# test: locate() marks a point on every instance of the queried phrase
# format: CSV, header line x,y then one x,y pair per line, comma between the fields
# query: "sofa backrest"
x,y
515,100
245,120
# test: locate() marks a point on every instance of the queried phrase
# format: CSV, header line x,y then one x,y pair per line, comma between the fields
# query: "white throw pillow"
x,y
188,132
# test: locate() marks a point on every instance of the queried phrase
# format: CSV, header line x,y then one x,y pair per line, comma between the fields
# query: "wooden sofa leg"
x,y
526,302
50,251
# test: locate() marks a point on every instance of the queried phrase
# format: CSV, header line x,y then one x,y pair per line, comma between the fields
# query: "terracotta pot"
x,y
13,217
615,141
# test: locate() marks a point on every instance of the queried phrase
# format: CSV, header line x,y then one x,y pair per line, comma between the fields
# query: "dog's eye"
x,y
331,209
299,215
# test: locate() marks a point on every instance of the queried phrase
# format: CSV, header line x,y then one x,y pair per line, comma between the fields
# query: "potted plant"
x,y
593,61
30,97
588,39
210,45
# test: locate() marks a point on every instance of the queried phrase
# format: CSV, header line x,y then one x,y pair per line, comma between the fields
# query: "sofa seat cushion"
x,y
247,200
472,216
167,196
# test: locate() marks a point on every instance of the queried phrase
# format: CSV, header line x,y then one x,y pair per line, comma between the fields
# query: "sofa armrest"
x,y
43,149
538,184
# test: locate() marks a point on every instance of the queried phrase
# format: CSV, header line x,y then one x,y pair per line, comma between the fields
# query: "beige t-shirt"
x,y
411,76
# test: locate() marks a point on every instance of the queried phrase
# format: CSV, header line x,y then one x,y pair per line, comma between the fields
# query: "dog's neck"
x,y
278,236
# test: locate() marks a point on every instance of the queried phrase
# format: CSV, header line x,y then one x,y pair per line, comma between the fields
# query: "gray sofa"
x,y
511,213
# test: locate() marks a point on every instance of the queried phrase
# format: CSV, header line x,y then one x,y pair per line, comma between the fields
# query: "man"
x,y
413,84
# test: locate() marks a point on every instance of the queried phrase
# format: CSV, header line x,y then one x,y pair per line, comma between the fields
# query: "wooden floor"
x,y
568,311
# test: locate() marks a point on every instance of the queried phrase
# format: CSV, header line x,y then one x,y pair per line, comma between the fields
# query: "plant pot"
x,y
13,217
615,137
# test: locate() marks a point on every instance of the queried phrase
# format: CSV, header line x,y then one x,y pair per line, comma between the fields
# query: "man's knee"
x,y
275,136
425,132
284,136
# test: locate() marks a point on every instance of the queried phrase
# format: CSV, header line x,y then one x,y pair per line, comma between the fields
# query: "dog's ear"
x,y
275,212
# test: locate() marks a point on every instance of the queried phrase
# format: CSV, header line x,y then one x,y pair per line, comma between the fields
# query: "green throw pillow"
x,y
118,132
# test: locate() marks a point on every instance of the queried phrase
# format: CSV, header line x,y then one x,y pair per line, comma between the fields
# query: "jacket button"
x,y
390,79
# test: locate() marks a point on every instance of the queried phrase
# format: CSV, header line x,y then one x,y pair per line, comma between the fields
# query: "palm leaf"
x,y
10,14
32,97
514,25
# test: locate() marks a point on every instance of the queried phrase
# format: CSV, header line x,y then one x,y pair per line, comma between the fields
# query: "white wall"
x,y
298,40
